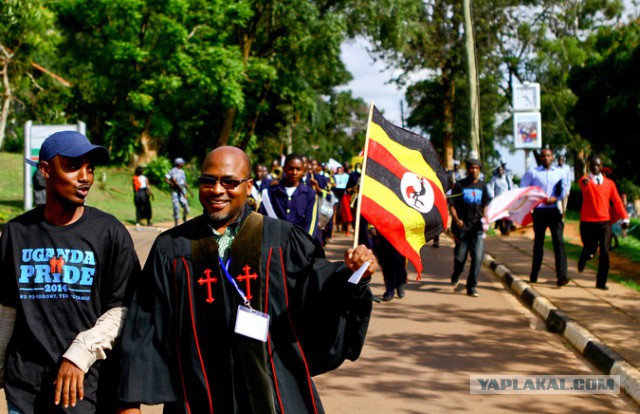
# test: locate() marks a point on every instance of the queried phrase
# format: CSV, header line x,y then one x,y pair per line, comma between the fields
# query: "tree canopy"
x,y
607,87
179,77
29,86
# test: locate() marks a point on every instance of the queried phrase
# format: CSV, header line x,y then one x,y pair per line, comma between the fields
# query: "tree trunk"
x,y
149,145
246,44
253,124
289,139
225,133
6,99
579,164
447,139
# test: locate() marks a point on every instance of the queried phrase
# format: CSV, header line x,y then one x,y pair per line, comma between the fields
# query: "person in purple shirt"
x,y
290,200
547,215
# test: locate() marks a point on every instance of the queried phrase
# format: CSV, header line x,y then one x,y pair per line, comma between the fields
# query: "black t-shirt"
x,y
469,200
60,279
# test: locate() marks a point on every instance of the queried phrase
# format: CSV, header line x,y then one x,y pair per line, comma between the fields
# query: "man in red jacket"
x,y
601,206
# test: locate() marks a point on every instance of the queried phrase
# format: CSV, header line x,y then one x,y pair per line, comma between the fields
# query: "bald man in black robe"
x,y
181,346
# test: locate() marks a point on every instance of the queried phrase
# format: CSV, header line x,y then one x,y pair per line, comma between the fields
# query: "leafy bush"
x,y
14,144
156,170
628,187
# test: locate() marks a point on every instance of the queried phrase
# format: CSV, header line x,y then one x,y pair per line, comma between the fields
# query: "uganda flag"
x,y
403,188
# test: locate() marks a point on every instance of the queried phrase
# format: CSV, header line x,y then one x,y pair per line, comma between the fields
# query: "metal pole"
x,y
28,194
472,73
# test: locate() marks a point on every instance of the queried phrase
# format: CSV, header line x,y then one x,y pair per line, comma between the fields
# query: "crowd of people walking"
x,y
322,201
224,303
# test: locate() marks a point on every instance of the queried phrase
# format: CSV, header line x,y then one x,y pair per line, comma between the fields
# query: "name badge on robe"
x,y
252,323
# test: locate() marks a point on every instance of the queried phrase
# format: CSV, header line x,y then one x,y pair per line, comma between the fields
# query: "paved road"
x,y
421,350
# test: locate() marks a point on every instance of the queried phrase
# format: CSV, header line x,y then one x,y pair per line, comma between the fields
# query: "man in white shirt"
x,y
547,215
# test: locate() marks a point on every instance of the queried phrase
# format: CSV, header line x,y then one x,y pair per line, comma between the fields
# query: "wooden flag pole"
x,y
356,230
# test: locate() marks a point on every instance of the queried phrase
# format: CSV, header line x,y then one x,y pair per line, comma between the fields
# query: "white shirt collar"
x,y
599,177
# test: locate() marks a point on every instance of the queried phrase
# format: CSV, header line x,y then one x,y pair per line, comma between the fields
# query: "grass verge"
x,y
112,192
629,248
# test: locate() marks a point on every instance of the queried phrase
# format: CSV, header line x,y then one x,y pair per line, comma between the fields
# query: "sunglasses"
x,y
226,183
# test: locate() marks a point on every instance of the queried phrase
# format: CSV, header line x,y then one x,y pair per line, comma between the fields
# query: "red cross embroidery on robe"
x,y
247,277
208,280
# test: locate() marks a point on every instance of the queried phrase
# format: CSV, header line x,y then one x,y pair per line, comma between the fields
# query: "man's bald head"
x,y
233,153
224,203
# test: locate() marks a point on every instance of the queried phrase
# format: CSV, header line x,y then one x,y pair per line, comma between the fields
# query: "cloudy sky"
x,y
371,80
371,83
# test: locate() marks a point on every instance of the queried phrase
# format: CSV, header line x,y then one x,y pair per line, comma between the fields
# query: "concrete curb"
x,y
594,350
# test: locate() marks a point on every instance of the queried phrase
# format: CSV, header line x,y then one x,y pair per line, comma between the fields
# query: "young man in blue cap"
x,y
64,288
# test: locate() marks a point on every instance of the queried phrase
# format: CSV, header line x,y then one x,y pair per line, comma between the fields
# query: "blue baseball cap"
x,y
71,144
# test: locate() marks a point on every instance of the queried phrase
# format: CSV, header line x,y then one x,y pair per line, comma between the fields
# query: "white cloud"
x,y
371,81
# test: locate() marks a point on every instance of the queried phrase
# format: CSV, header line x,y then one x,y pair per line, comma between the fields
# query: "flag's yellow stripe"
x,y
314,217
411,219
409,158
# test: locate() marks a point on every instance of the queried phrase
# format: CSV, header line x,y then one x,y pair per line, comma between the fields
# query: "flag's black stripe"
x,y
432,219
415,142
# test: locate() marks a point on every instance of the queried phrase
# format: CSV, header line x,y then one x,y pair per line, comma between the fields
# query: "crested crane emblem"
x,y
417,192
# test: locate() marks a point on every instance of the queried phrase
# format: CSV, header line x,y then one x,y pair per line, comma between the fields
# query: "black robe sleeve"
x,y
333,313
145,371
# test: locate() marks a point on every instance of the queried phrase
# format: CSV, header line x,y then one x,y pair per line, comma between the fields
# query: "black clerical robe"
x,y
179,346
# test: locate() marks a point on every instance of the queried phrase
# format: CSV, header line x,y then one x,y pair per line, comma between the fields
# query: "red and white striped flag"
x,y
516,205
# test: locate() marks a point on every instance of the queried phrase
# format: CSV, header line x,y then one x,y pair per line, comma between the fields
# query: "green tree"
x,y
150,74
607,112
183,76
291,52
30,88
543,42
426,41
531,40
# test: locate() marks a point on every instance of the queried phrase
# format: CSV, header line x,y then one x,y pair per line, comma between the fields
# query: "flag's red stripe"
x,y
394,230
382,156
